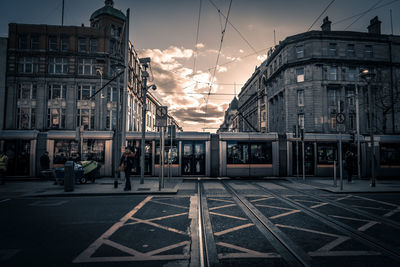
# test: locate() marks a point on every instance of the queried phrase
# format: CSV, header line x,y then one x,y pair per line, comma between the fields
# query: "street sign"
x,y
172,131
341,127
340,118
161,116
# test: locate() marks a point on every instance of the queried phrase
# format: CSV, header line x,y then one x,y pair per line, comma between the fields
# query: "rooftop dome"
x,y
108,9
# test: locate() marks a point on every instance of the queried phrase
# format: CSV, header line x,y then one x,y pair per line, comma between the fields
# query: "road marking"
x,y
5,200
246,253
391,213
222,200
134,255
261,199
363,228
47,203
228,216
233,229
343,198
221,207
272,207
6,254
319,203
306,230
168,204
284,214
372,208
342,253
378,201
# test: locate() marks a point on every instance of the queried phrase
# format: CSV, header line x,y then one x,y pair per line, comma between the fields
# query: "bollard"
x,y
69,176
334,174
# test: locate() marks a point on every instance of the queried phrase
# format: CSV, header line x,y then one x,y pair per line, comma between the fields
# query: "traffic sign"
x,y
340,118
161,116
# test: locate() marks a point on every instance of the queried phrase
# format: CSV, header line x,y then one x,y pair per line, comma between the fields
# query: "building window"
x,y
53,43
280,59
351,76
58,65
35,42
351,121
350,96
81,45
332,50
27,91
56,118
27,65
57,91
112,46
333,73
300,120
350,50
64,44
300,98
93,150
111,119
112,94
300,75
85,92
25,118
23,41
93,45
333,121
86,67
300,51
368,52
85,118
332,97
326,153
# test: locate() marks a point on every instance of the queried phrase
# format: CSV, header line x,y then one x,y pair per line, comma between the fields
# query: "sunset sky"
x,y
165,30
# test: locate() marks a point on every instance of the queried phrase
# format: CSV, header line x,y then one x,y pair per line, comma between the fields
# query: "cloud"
x,y
200,46
262,57
222,69
241,51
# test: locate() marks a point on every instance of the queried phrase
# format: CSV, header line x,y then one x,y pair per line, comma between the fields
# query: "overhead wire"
x,y
197,40
362,14
320,15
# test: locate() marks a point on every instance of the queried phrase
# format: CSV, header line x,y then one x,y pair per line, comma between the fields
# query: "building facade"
x,y
64,91
230,114
3,62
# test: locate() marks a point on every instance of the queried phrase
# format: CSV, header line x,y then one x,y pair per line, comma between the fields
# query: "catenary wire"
x,y
362,14
320,15
197,39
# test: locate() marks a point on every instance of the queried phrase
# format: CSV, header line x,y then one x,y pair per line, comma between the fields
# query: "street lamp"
x,y
117,133
145,63
368,76
99,70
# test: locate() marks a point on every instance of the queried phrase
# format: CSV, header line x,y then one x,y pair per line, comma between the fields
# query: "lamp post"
x,y
99,70
368,76
145,63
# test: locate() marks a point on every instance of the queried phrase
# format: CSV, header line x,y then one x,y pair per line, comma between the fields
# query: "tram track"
x,y
357,235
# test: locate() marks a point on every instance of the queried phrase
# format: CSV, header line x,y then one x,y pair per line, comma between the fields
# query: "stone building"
x,y
3,61
53,97
230,114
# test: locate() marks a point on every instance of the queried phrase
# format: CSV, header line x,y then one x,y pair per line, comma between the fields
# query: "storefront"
x,y
20,147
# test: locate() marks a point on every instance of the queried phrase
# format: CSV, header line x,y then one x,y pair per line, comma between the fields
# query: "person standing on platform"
x,y
127,163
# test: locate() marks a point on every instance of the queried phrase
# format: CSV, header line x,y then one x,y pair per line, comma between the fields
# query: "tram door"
x,y
193,158
308,156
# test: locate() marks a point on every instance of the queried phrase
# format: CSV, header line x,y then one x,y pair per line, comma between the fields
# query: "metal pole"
x,y
304,165
62,17
297,151
334,174
358,135
162,157
340,154
144,92
125,86
371,131
116,147
159,175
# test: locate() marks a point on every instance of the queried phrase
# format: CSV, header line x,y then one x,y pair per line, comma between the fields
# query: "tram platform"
x,y
105,186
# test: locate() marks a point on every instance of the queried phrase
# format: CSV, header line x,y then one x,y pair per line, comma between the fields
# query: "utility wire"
x,y
197,40
346,19
362,14
226,17
320,15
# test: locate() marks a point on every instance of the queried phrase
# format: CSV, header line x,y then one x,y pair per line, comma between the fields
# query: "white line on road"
x,y
4,200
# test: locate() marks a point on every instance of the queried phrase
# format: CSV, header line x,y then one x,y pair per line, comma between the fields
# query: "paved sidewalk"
x,y
358,186
102,186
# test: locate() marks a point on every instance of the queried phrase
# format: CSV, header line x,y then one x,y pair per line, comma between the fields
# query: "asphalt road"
x,y
244,223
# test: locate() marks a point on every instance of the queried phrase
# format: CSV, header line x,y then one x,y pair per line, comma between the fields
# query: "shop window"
x,y
28,65
58,65
326,153
65,150
53,43
93,150
390,154
57,91
86,67
56,118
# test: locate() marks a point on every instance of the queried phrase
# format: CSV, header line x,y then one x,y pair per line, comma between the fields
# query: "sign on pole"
x,y
161,116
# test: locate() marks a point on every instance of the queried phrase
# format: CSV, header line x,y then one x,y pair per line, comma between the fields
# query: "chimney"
x,y
326,25
374,26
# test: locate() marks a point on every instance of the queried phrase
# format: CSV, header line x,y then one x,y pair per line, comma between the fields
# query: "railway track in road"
x,y
292,239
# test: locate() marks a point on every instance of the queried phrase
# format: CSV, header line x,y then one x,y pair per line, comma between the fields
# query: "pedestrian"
x,y
45,161
127,162
3,167
349,164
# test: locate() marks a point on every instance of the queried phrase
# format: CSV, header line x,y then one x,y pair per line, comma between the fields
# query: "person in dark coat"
x,y
127,163
45,161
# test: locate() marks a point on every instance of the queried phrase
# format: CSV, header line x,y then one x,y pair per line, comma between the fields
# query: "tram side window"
x,y
326,153
390,154
174,152
249,153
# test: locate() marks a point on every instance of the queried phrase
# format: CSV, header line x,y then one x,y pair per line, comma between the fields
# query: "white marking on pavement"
x,y
223,200
228,216
272,207
47,203
168,204
221,207
233,229
393,212
363,228
378,201
260,199
4,200
284,214
248,253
